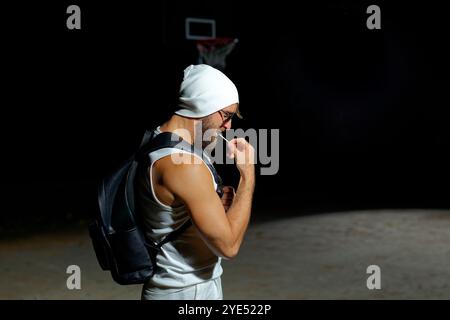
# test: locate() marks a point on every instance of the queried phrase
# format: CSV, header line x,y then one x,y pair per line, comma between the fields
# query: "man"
x,y
169,193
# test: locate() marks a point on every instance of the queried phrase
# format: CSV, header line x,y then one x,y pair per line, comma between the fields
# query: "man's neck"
x,y
184,127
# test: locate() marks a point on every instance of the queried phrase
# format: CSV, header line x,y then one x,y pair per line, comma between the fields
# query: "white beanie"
x,y
205,90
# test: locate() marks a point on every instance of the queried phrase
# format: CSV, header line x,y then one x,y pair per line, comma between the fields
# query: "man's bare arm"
x,y
192,183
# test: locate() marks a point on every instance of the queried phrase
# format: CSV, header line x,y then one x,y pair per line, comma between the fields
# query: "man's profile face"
x,y
218,121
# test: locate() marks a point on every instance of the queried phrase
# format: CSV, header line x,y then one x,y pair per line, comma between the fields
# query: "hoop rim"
x,y
221,41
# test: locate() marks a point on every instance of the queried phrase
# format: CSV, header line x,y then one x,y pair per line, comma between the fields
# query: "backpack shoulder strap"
x,y
164,140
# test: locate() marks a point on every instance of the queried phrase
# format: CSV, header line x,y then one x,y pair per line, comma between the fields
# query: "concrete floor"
x,y
322,256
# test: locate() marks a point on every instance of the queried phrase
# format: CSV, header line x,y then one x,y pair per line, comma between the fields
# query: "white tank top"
x,y
187,260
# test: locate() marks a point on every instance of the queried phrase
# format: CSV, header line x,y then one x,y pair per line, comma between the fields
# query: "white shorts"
x,y
208,290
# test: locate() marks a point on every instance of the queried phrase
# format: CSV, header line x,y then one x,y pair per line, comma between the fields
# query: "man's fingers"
x,y
231,150
228,189
227,195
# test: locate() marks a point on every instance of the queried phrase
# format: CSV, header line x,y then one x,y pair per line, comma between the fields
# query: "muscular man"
x,y
169,193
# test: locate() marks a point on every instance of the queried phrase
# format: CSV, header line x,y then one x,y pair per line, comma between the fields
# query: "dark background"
x,y
363,114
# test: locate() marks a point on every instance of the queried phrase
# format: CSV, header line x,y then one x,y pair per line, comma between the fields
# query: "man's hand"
x,y
244,155
227,197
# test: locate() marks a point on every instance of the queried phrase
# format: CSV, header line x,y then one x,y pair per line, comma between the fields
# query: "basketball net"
x,y
214,52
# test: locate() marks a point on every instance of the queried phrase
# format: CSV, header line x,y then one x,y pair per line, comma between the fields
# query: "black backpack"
x,y
117,237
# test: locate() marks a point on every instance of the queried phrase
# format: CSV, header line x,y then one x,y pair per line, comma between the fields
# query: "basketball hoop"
x,y
215,51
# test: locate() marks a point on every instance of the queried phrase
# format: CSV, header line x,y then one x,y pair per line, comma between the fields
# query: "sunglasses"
x,y
226,116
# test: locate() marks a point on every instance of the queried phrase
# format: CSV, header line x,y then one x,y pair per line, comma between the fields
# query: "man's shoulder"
x,y
186,178
182,166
